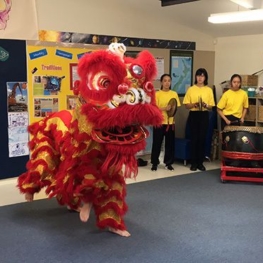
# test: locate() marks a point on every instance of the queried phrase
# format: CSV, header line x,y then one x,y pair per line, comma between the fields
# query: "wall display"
x,y
18,19
18,134
13,121
53,71
70,37
16,96
17,105
45,106
181,70
47,85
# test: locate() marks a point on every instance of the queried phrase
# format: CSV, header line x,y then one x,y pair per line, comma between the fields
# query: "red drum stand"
x,y
242,154
239,158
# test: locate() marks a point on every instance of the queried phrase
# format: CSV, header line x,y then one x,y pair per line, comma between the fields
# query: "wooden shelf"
x,y
254,114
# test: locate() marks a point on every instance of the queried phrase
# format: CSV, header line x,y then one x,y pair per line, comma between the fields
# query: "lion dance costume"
x,y
84,155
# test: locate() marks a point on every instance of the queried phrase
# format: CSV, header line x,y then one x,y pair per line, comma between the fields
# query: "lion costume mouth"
x,y
121,136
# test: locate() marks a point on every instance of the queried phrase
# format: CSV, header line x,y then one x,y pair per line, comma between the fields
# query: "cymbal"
x,y
200,103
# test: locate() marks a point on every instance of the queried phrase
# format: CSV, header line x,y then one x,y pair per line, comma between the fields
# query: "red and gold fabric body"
x,y
86,154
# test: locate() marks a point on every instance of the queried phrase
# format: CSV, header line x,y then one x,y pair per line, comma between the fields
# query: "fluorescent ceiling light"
x,y
233,17
245,3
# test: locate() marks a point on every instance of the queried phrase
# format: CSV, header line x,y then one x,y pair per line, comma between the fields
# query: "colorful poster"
x,y
51,75
47,85
45,106
18,19
17,96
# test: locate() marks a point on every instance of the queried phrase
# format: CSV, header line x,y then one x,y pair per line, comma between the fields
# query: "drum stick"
x,y
236,121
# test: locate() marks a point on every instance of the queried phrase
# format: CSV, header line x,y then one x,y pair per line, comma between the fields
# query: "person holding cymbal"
x,y
167,100
198,99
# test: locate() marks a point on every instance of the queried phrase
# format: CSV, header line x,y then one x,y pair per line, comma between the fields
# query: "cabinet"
x,y
254,115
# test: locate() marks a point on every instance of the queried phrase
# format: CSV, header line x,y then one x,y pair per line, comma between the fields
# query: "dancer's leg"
x,y
29,197
111,208
85,212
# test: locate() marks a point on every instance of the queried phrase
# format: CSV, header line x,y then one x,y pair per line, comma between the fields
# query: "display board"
x,y
42,75
52,71
13,69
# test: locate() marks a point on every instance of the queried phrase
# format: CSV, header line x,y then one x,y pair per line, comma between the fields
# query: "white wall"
x,y
115,17
241,55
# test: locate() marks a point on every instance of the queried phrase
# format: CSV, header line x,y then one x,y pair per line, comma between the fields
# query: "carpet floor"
x,y
186,219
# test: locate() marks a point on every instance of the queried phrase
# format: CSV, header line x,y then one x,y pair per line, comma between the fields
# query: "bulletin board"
x,y
13,73
52,71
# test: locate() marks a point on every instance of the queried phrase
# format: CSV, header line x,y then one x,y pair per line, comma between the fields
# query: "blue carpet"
x,y
186,219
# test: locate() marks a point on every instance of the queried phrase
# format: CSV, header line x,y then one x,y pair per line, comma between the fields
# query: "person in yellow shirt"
x,y
233,105
163,96
198,99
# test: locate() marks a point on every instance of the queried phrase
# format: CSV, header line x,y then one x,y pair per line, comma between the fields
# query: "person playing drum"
x,y
167,100
233,105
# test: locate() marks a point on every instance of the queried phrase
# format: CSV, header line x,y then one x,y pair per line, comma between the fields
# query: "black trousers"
x,y
167,132
198,123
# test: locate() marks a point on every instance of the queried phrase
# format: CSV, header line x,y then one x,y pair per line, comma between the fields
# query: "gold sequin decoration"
x,y
31,185
83,124
46,144
89,177
101,185
60,124
48,159
110,214
65,179
112,200
117,186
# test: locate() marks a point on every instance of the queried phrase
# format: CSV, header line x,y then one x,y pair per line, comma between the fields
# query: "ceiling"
x,y
195,15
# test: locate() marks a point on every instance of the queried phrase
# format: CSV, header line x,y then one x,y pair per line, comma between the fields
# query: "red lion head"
x,y
118,97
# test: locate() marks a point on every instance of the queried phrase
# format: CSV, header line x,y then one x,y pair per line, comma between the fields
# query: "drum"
x,y
173,103
242,146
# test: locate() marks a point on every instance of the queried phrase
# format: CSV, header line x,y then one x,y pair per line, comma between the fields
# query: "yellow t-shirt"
x,y
233,102
162,99
195,93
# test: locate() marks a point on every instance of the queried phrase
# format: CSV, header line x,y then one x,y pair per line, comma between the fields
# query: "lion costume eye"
x,y
98,81
105,83
136,71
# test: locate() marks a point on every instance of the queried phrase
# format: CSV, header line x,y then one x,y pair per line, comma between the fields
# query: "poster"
x,y
17,96
45,106
17,134
181,70
17,104
52,72
18,19
160,67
